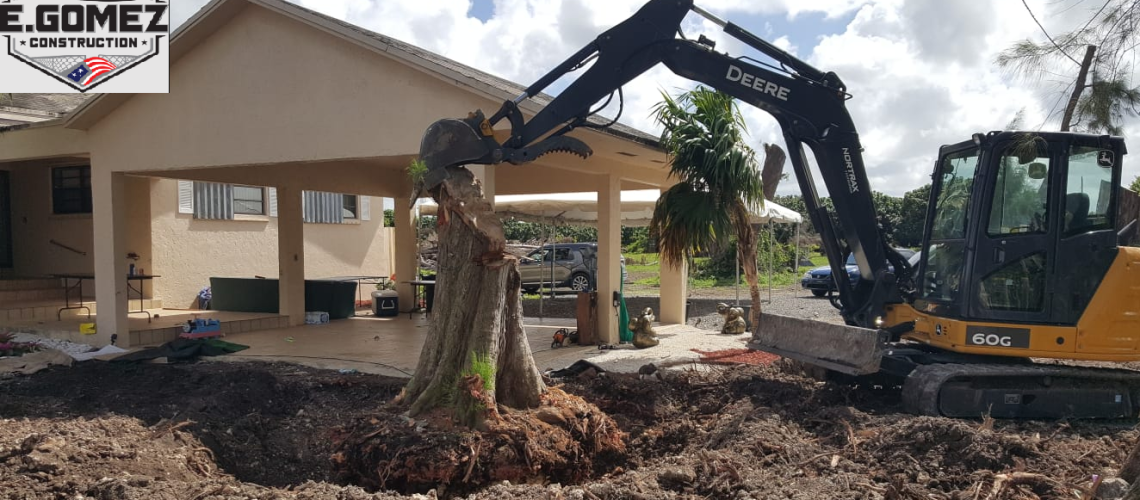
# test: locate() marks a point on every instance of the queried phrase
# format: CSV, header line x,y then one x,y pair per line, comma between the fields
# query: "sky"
x,y
920,72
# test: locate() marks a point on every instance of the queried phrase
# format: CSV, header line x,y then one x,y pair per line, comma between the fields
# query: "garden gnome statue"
x,y
642,328
733,319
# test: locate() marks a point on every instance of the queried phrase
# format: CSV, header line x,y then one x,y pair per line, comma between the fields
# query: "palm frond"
x,y
686,222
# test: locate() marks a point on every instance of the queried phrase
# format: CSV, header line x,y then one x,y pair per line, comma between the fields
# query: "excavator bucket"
x,y
449,143
842,348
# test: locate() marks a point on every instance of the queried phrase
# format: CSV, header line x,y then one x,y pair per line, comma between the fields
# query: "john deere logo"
x,y
84,44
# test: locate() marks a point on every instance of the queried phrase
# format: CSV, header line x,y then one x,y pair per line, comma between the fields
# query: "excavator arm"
x,y
808,104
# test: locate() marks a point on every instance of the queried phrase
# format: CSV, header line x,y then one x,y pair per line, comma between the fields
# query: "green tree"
x,y
1100,54
889,213
913,219
718,181
1136,184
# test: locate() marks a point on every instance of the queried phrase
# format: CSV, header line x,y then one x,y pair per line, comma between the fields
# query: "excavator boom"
x,y
809,105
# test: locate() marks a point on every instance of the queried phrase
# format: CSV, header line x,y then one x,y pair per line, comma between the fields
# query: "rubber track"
x,y
922,386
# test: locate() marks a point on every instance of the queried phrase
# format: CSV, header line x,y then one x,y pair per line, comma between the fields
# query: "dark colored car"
x,y
819,280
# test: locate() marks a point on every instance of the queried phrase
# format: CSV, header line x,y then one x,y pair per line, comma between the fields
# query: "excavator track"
x,y
1021,391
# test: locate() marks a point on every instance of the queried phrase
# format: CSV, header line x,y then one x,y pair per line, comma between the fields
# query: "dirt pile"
x,y
175,432
271,424
565,440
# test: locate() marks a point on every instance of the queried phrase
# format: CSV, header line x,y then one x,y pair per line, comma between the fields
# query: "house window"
x,y
71,190
350,208
249,200
217,201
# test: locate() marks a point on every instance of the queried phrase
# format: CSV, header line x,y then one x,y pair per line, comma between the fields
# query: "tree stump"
x,y
476,324
480,411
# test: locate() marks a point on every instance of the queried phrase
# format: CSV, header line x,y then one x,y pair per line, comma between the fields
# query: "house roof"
x,y
21,110
499,88
57,104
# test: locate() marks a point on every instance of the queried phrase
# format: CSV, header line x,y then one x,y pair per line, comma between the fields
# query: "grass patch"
x,y
650,281
642,269
484,366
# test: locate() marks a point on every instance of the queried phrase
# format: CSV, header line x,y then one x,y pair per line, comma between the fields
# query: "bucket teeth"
x,y
558,144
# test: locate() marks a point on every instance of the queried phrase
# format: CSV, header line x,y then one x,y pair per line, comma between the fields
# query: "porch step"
x,y
46,310
30,284
8,296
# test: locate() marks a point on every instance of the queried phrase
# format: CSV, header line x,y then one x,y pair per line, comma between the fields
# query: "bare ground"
x,y
259,430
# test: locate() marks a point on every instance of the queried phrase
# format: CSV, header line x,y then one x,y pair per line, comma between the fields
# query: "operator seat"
x,y
1076,211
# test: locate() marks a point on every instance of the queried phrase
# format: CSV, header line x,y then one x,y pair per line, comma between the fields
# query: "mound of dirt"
x,y
272,424
565,440
175,432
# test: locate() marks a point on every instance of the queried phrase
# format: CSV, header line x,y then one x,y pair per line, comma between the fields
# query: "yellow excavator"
x,y
1021,255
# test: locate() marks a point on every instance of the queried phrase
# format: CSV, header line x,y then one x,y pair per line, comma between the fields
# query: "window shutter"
x,y
213,201
323,208
185,197
272,202
365,208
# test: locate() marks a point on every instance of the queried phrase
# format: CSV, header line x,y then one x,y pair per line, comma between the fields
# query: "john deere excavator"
x,y
1020,258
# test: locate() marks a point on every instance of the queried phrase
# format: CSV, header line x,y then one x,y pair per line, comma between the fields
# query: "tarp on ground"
x,y
182,350
582,208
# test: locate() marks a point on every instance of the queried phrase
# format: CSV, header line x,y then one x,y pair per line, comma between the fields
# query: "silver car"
x,y
570,265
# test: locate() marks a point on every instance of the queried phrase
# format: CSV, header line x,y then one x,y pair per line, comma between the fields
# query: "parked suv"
x,y
819,280
575,266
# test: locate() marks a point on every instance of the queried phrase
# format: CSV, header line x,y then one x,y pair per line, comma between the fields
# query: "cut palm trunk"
x,y
476,356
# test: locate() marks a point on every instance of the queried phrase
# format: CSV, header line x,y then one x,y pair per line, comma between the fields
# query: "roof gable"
x,y
218,13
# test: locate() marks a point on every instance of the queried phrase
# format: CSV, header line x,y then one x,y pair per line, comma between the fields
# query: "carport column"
x,y
291,255
609,256
109,222
486,176
674,293
407,253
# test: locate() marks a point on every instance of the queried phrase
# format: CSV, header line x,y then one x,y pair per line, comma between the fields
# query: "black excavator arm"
x,y
808,104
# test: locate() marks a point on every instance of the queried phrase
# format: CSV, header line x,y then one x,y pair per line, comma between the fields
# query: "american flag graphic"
x,y
98,66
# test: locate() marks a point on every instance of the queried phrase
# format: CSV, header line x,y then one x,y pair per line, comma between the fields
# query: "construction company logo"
x,y
117,46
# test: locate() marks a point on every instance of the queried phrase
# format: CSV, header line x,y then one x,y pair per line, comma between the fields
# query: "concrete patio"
x,y
391,346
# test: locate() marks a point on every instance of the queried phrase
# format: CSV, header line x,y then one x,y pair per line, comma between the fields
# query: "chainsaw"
x,y
563,337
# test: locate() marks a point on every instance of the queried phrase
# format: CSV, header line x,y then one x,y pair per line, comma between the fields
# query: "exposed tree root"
x,y
565,439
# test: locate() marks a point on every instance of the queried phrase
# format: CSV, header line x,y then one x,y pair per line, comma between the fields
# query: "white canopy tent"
x,y
582,209
636,211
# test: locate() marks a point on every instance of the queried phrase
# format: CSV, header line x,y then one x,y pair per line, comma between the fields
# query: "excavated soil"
x,y
230,431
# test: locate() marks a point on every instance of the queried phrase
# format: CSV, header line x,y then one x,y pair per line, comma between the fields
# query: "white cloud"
x,y
920,71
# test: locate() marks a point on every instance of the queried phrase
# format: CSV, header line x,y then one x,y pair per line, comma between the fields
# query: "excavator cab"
x,y
1021,227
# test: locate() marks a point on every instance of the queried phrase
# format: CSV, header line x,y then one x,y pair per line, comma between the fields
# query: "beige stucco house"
x,y
236,174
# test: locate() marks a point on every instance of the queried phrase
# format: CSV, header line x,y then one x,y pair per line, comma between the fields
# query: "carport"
x,y
349,121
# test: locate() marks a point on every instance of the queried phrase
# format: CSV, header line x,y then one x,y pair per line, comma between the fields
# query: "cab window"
x,y
1021,191
1088,190
942,279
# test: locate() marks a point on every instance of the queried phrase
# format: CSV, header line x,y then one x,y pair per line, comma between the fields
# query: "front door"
x,y
5,221
1014,254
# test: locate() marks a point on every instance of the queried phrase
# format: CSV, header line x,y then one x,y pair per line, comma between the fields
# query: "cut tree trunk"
x,y
746,252
773,170
1078,87
476,318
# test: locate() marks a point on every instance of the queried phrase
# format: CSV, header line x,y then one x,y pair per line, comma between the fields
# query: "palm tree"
x,y
718,182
